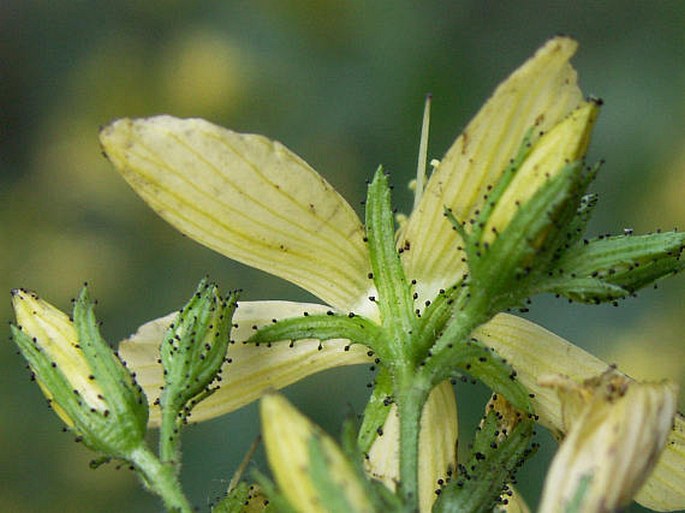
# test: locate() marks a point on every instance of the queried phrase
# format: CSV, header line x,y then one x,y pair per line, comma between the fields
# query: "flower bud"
x,y
501,445
528,212
310,469
194,347
84,380
616,430
564,144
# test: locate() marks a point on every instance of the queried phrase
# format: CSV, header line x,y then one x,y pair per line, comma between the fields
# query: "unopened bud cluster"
x,y
194,347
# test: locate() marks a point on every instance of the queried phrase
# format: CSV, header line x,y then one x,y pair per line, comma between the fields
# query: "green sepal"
x,y
395,300
376,410
483,363
609,268
243,498
355,328
83,422
570,222
278,503
331,493
578,225
438,314
194,348
125,426
495,194
496,455
517,253
42,369
585,290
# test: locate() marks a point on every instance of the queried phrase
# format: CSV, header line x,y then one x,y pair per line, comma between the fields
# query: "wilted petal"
x,y
616,429
252,369
540,93
288,437
437,446
533,352
248,198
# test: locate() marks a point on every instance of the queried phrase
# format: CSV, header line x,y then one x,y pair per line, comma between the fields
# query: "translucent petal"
x,y
437,445
246,197
533,352
252,370
540,93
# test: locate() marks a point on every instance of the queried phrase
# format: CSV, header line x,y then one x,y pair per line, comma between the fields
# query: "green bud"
x,y
194,348
501,445
609,268
84,380
528,213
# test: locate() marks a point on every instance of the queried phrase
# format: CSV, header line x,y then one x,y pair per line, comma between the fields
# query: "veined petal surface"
x,y
248,198
539,94
437,445
252,370
533,352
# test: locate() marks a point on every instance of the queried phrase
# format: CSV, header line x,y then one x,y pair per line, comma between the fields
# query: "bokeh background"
x,y
342,84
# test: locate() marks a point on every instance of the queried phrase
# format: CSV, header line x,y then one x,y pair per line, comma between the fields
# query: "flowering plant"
x,y
500,219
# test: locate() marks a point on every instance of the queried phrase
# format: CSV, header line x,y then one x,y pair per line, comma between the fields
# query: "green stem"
x,y
411,397
169,437
161,479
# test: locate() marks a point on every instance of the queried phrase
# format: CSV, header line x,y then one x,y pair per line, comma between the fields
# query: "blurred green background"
x,y
340,83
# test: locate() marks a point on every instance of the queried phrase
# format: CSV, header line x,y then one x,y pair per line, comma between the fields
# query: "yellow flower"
x,y
616,429
255,201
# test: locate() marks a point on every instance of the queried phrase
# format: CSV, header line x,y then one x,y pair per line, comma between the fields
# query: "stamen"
x,y
423,152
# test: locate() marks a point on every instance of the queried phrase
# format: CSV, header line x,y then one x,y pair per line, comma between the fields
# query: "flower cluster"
x,y
500,218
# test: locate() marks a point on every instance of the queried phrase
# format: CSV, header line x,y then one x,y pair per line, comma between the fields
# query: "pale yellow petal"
x,y
665,488
534,351
437,446
287,437
252,370
56,336
614,438
540,93
246,197
565,142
